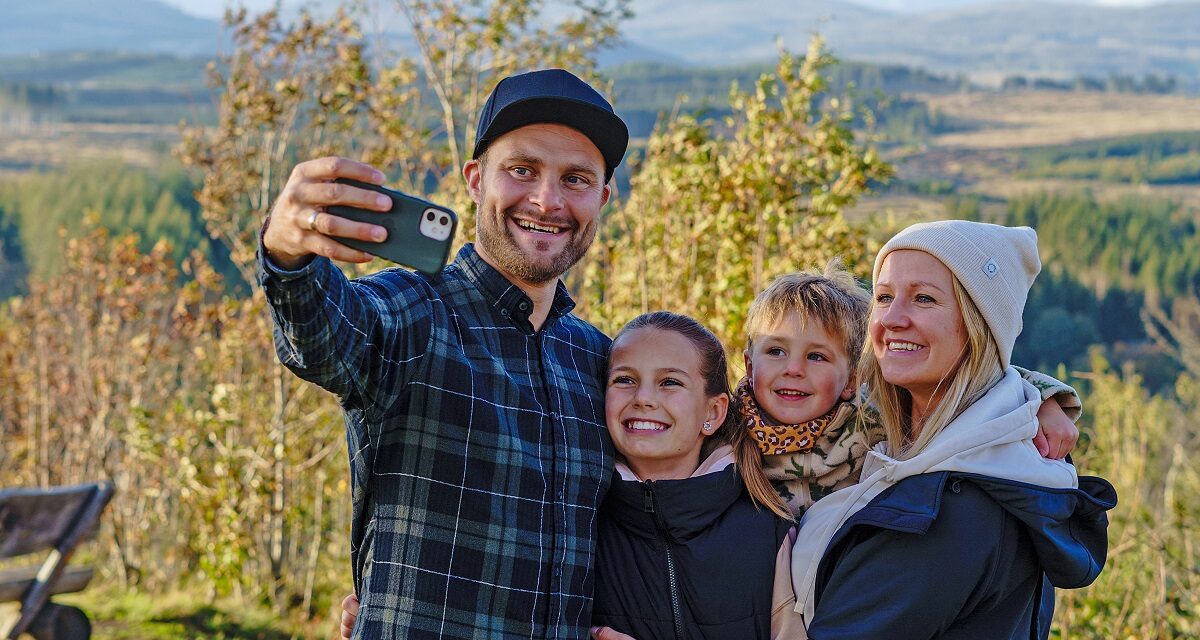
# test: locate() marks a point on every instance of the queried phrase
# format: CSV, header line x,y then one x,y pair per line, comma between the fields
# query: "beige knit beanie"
x,y
995,264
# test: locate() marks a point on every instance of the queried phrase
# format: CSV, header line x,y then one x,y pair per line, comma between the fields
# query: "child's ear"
x,y
851,388
749,365
718,406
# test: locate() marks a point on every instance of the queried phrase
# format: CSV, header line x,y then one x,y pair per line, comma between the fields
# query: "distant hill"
x,y
1033,38
985,40
46,26
717,33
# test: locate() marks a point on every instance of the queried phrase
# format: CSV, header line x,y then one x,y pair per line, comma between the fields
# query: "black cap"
x,y
553,95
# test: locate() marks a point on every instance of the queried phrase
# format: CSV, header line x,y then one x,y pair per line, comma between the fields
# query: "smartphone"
x,y
419,232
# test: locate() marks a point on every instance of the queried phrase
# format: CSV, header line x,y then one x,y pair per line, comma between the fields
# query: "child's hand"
x,y
608,633
349,615
1056,435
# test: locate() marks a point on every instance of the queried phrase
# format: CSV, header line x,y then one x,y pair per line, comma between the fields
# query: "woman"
x,y
957,517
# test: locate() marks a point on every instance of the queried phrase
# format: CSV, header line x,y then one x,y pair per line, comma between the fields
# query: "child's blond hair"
x,y
832,297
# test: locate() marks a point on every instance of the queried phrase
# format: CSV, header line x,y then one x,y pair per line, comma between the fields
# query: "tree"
x,y
1178,333
291,92
1059,336
717,209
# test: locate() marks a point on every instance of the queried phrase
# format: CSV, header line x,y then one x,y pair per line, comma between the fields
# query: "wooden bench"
x,y
58,520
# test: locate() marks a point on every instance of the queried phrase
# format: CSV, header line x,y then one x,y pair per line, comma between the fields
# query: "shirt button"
x,y
554,415
504,312
524,306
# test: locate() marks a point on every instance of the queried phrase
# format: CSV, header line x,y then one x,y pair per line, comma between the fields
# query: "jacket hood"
x,y
1068,527
992,437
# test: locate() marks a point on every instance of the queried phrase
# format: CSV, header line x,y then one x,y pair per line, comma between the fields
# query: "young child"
x,y
800,398
685,547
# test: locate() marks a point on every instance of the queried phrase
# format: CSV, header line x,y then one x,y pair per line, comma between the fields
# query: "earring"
x,y
707,426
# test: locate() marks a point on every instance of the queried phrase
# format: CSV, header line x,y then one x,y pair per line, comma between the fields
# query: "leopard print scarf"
x,y
774,440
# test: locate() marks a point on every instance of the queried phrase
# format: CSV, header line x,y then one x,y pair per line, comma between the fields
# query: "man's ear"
x,y
473,172
606,193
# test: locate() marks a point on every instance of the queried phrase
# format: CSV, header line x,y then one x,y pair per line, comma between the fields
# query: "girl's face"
x,y
656,405
917,330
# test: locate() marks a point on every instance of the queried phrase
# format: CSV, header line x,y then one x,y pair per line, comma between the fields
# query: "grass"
x,y
126,615
1010,128
1036,118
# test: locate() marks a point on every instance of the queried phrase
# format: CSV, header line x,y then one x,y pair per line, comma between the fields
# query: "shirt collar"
x,y
509,299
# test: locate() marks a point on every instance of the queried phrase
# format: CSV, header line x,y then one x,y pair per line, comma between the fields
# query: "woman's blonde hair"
x,y
977,369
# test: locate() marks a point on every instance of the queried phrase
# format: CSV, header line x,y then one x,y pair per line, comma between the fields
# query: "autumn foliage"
x,y
231,473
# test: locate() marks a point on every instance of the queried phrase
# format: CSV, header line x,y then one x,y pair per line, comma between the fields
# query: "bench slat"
x,y
15,582
36,519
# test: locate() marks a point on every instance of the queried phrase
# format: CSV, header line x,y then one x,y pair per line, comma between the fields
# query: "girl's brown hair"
x,y
715,371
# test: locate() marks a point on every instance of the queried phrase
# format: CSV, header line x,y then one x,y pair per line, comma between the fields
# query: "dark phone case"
x,y
405,243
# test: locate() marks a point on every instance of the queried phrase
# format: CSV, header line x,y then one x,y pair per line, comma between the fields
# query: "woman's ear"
x,y
718,407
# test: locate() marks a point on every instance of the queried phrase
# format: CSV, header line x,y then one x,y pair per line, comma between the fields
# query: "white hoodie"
x,y
992,437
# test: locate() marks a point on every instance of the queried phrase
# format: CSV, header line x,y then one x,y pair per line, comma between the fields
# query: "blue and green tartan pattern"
x,y
478,449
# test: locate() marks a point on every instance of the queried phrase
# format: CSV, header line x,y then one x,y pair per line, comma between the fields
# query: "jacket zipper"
x,y
672,578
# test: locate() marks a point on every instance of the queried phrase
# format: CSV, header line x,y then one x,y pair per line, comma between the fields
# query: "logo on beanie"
x,y
991,269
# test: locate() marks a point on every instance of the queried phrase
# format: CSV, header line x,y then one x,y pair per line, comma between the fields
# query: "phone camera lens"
x,y
429,216
444,221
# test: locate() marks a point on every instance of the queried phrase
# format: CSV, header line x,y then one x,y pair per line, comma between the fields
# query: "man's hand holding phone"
x,y
342,198
300,225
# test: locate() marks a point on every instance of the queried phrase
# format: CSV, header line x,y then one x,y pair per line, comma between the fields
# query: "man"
x,y
473,399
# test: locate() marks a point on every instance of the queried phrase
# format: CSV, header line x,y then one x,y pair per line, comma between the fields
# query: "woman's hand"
x,y
1057,435
349,615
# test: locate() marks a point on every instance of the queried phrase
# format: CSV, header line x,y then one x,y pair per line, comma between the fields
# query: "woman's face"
x,y
656,404
917,330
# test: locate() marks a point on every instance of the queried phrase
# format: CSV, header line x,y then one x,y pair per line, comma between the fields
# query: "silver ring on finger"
x,y
312,220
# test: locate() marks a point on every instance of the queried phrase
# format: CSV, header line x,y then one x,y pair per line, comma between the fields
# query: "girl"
x,y
685,550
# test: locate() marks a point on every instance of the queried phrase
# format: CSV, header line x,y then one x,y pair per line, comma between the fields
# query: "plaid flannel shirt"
x,y
478,449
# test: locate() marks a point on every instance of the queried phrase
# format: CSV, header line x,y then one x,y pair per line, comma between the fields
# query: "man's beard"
x,y
499,244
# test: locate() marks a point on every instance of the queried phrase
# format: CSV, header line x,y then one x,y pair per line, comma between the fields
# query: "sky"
x,y
215,8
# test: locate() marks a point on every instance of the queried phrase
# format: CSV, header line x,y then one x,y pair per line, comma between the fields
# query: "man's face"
x,y
538,194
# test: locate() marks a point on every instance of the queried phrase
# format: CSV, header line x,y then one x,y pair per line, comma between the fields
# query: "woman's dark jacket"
x,y
960,556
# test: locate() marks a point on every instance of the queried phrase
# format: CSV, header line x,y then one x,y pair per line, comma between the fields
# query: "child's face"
x,y
656,405
798,374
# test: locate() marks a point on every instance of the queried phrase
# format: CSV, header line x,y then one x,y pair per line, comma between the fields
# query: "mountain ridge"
x,y
987,41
